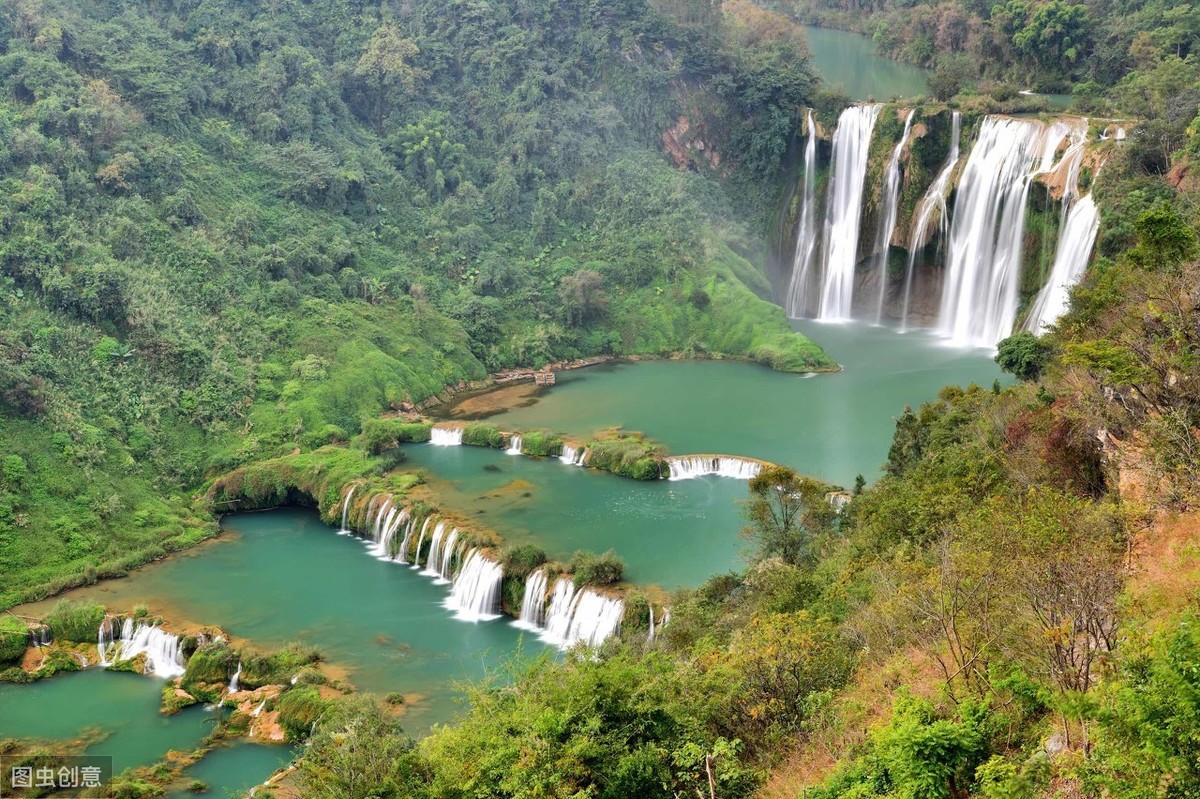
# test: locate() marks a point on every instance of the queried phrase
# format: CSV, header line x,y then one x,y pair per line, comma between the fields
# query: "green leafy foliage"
x,y
627,455
546,445
379,435
14,638
483,435
588,568
298,709
1023,354
75,620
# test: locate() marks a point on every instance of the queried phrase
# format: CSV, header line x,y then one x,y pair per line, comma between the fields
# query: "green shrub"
x,y
483,435
17,675
14,637
519,560
279,667
379,435
1024,355
298,709
75,621
589,568
627,456
542,444
58,661
210,665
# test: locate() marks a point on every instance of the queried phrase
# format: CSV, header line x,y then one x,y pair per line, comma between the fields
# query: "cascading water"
x,y
416,561
558,613
983,272
533,604
686,467
434,559
594,618
843,210
800,286
104,640
584,616
233,681
446,436
402,550
382,519
934,200
573,456
163,650
346,510
887,219
1070,260
383,543
445,566
476,592
514,446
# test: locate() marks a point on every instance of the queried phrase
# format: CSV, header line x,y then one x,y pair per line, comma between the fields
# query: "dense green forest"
x,y
1113,56
231,229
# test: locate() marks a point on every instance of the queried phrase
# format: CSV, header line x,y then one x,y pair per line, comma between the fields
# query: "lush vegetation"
x,y
231,231
14,638
628,455
1135,57
237,238
994,617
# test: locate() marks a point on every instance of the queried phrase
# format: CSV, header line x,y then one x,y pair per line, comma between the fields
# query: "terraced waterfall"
x,y
973,208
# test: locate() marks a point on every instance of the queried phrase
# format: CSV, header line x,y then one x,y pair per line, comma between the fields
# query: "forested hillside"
x,y
231,229
1113,56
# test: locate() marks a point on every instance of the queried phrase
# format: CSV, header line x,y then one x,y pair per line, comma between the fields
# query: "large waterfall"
x,y
1077,235
803,275
163,650
974,273
983,269
533,604
887,219
1070,260
843,209
476,592
933,200
558,613
686,467
446,436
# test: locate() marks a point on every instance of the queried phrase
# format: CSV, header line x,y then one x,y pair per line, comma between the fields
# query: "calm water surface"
x,y
831,426
848,61
285,576
233,770
112,714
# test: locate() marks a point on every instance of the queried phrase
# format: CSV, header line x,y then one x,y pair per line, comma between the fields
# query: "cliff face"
x,y
688,145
